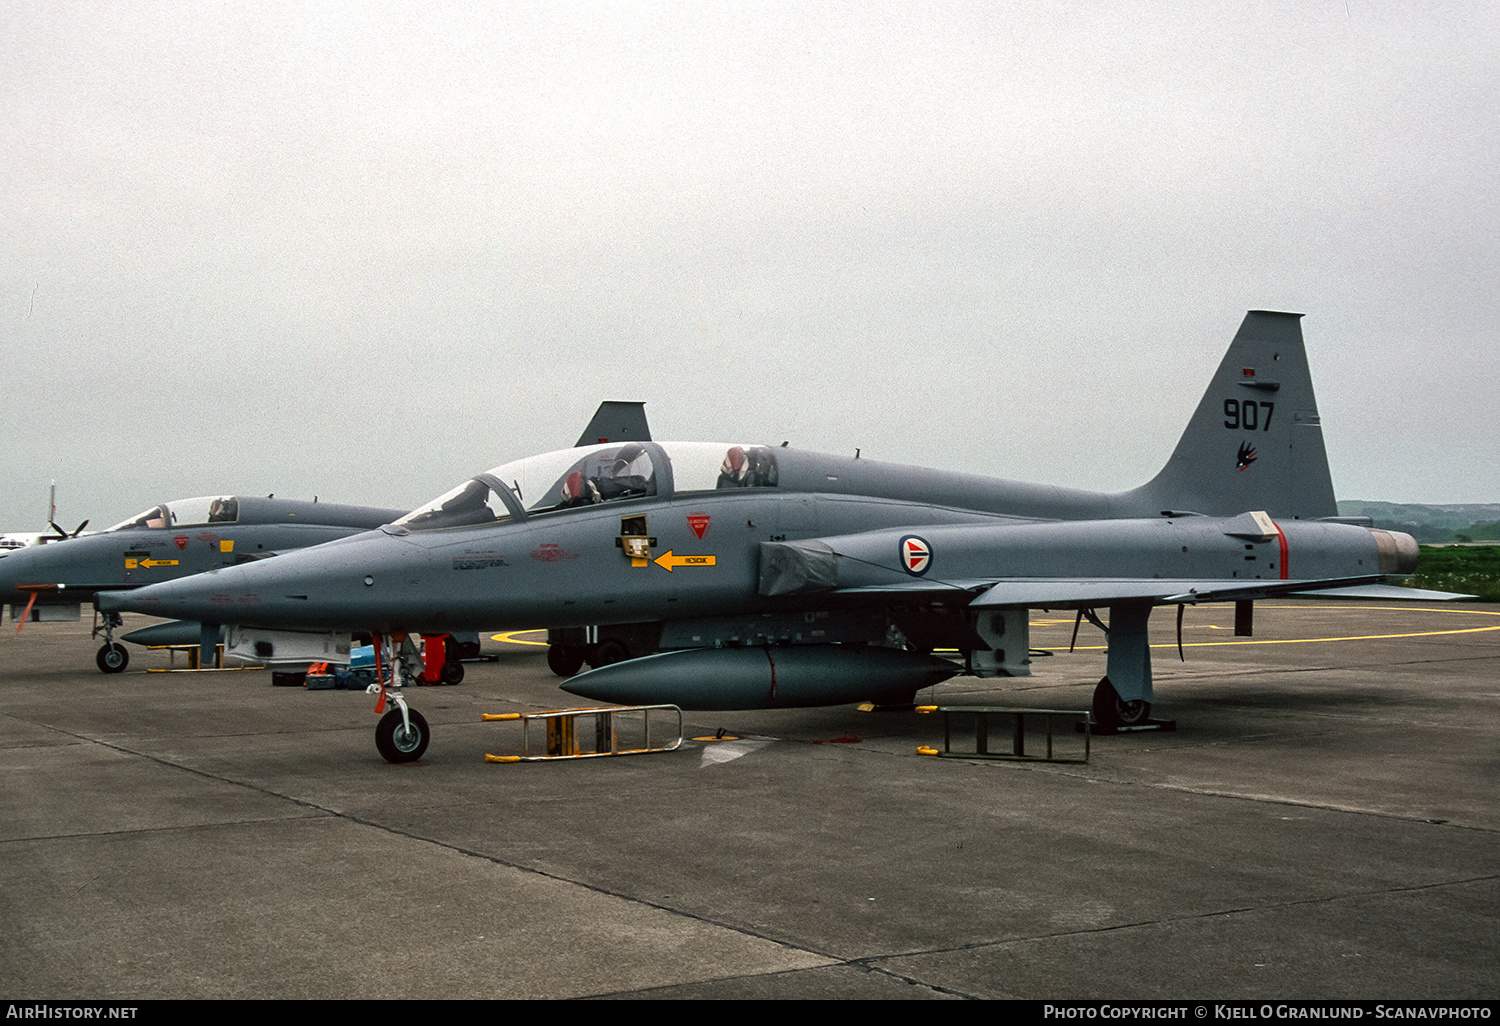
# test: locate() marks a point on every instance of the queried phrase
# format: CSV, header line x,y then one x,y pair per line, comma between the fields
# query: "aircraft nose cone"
x,y
191,598
38,565
355,583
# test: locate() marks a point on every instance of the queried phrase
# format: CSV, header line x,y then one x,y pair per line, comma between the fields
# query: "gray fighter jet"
x,y
166,542
733,575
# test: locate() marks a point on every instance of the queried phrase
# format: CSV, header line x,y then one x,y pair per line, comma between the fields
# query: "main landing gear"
x,y
569,648
566,660
1113,714
1122,700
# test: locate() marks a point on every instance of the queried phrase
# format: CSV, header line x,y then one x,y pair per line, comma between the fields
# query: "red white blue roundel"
x,y
916,555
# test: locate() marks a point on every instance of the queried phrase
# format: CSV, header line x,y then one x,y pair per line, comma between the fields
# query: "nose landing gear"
x,y
402,734
112,656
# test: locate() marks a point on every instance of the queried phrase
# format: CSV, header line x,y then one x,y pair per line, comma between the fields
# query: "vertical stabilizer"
x,y
616,422
1255,441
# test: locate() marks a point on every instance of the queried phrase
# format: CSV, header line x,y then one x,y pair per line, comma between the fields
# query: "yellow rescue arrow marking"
x,y
135,564
669,562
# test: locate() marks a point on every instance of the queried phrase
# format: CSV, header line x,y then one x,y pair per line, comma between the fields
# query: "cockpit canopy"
x,y
206,509
586,476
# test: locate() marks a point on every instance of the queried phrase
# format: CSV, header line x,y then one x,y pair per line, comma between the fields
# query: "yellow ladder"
x,y
618,730
1041,731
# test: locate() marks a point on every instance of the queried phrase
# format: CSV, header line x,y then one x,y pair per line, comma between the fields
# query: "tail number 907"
x,y
1247,415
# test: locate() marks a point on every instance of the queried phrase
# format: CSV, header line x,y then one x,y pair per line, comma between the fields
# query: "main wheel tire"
x,y
1113,712
397,742
608,652
453,672
564,660
112,658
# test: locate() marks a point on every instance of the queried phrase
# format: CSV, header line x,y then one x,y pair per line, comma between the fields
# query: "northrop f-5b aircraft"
x,y
167,541
736,576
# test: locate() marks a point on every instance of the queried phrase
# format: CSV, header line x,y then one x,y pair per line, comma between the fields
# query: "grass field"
x,y
1471,569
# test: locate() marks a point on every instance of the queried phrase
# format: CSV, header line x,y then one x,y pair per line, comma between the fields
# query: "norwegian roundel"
x,y
916,555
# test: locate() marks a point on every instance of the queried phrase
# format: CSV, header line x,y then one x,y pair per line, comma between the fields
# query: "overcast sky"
x,y
364,250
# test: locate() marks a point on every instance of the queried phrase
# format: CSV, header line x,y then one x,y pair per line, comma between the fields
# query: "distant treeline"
x,y
1471,522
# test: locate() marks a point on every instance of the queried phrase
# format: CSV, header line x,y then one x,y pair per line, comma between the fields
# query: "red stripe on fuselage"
x,y
1281,540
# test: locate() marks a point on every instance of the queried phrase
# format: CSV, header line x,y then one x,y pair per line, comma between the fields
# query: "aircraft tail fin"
x,y
616,422
1255,441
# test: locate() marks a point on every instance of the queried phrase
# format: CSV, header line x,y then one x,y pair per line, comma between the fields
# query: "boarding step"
x,y
1026,735
193,653
592,732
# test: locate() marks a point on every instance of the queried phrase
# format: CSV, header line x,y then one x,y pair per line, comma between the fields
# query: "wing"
x,y
1096,563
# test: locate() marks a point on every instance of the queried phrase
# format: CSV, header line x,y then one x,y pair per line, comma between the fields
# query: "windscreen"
x,y
590,475
205,509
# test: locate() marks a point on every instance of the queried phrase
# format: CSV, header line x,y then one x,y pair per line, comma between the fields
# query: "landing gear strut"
x,y
1122,700
112,656
402,734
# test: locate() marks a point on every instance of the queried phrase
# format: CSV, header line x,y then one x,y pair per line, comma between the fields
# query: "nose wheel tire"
x,y
112,657
399,743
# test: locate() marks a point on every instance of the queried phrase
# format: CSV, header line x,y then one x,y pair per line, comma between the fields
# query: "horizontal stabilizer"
x,y
1394,592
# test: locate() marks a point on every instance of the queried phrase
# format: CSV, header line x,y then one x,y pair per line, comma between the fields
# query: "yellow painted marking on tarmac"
x,y
514,638
1352,637
668,562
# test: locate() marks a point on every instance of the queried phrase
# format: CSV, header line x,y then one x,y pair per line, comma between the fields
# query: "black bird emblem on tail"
x,y
1246,457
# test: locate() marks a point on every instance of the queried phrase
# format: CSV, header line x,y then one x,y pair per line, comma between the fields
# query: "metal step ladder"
x,y
617,730
1042,724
